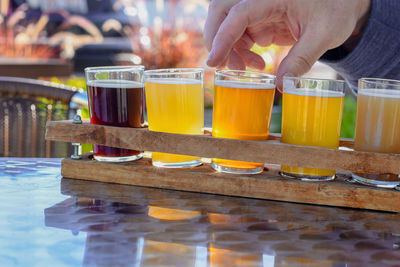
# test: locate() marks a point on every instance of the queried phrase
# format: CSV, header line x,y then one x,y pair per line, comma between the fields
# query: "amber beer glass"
x,y
175,104
378,125
311,116
243,103
115,99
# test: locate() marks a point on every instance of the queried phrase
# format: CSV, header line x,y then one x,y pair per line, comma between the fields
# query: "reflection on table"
x,y
152,227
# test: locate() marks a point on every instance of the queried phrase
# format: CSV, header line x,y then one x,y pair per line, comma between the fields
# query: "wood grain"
x,y
270,151
267,185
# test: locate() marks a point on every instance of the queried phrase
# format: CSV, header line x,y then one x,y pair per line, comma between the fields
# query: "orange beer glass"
x,y
243,103
311,116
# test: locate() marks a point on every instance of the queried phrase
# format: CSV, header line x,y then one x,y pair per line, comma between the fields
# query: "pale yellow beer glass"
x,y
311,116
378,125
175,104
243,103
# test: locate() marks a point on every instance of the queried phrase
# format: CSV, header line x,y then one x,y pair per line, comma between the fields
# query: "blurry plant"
x,y
166,34
25,35
349,117
169,49
77,82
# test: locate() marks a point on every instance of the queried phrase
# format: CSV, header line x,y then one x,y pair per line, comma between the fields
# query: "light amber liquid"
x,y
378,121
242,111
311,118
175,106
225,257
169,214
176,254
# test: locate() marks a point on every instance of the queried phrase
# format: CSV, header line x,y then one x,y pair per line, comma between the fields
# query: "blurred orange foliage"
x,y
26,36
171,49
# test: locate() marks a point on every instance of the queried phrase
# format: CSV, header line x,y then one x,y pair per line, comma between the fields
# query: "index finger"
x,y
240,16
216,15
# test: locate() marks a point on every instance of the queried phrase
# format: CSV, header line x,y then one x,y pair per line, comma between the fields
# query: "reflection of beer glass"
x,y
378,125
175,104
243,103
115,99
311,116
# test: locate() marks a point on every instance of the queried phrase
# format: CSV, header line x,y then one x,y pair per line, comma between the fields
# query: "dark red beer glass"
x,y
115,99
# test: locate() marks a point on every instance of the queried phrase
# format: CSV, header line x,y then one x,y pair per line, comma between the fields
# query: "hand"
x,y
311,26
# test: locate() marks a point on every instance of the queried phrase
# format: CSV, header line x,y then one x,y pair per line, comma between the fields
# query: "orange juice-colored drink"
x,y
242,110
311,117
378,121
175,106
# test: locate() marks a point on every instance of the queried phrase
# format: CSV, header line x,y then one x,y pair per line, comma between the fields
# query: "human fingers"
x,y
235,61
308,49
240,16
216,14
251,59
271,33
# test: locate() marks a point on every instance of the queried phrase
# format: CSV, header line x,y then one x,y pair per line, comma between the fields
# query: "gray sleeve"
x,y
377,55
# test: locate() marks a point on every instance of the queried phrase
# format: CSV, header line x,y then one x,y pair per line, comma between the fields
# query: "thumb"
x,y
308,49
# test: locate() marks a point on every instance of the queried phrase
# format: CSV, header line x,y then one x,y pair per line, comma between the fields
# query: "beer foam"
x,y
313,92
174,81
115,84
386,93
244,85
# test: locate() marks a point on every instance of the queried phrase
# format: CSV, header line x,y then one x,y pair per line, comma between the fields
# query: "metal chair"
x,y
25,107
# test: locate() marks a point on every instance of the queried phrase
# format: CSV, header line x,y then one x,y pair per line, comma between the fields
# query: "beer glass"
x,y
175,104
311,116
115,99
378,125
243,103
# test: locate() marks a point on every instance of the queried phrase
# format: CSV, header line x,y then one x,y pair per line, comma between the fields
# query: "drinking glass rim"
x,y
114,68
313,79
262,75
174,71
390,82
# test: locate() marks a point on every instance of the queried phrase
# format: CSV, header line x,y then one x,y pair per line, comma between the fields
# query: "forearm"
x,y
374,51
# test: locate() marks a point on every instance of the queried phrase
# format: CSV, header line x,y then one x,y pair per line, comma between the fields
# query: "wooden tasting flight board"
x,y
203,179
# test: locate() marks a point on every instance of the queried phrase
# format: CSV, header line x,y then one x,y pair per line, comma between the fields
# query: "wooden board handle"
x,y
269,151
203,179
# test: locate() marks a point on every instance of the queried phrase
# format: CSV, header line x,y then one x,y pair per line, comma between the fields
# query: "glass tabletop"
x,y
47,220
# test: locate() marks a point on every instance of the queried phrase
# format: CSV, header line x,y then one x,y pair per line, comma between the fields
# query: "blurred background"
x,y
52,41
